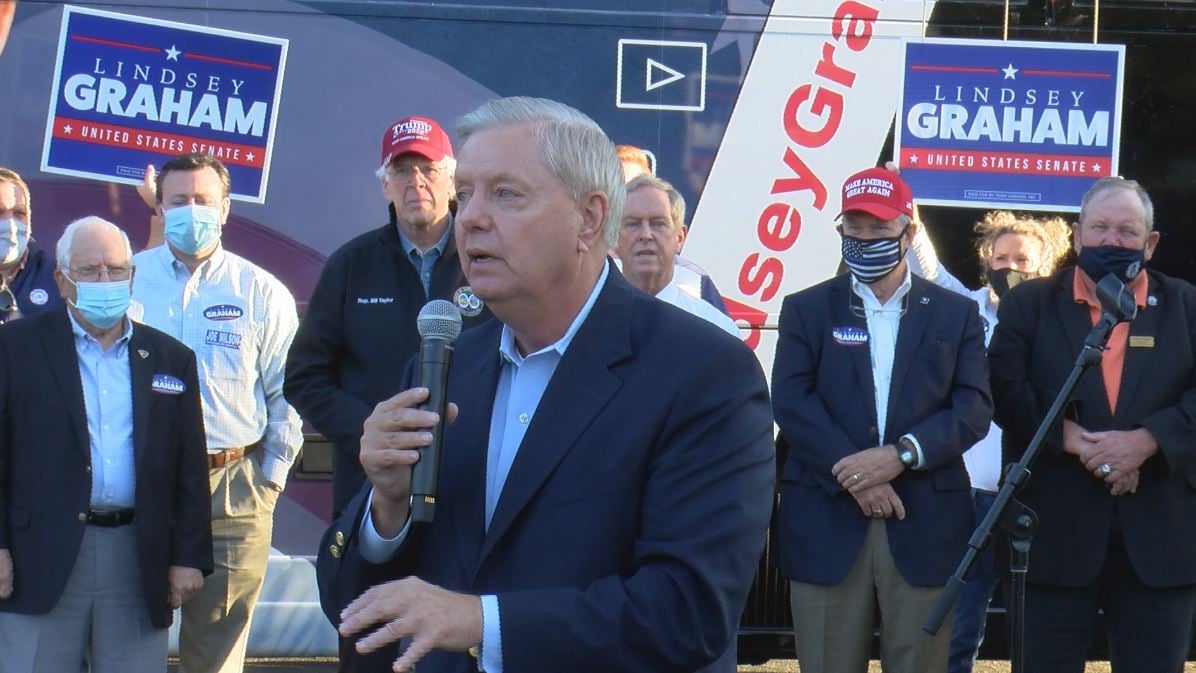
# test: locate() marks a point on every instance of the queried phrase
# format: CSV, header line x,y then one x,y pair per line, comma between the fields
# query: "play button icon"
x,y
661,75
654,66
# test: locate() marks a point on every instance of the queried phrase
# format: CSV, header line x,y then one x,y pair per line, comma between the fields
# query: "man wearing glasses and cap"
x,y
879,385
26,271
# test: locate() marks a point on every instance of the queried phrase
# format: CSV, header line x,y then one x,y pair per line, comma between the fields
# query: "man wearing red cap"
x,y
359,329
879,386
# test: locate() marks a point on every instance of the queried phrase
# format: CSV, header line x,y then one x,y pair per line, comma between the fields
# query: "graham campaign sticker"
x,y
167,385
850,336
1026,125
223,312
131,91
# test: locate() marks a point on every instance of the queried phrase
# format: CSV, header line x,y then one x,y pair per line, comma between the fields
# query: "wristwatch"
x,y
906,453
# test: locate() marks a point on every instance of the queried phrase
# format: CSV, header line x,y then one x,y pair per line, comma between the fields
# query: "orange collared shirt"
x,y
1113,359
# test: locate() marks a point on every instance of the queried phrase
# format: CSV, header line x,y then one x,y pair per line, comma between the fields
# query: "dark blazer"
x,y
634,514
1032,352
824,401
45,472
346,353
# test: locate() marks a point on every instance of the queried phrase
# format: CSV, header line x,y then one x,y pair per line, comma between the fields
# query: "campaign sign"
x,y
131,91
1022,125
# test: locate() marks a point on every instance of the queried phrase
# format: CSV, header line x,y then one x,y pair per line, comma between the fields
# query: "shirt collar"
x,y
173,266
1083,290
409,247
864,291
81,333
506,344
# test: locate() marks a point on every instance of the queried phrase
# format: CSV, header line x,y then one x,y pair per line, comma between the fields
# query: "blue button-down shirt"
x,y
522,381
424,260
108,401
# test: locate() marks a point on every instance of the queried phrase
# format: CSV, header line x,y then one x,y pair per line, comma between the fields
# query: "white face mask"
x,y
14,238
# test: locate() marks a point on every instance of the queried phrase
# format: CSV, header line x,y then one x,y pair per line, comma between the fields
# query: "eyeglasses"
x,y
407,173
856,304
94,273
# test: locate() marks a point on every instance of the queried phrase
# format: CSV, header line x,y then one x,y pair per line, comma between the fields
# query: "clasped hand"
x,y
1122,451
866,475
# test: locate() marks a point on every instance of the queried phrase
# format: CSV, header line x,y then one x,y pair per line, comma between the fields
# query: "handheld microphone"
x,y
1116,299
439,323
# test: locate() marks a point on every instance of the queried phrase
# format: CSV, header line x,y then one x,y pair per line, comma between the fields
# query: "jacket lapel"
x,y
141,373
1136,358
59,344
860,355
1077,325
567,408
909,336
467,440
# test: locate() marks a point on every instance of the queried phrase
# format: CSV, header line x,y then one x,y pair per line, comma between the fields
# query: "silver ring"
x,y
855,477
1104,469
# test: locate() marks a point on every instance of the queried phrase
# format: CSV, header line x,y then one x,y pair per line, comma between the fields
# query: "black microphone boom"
x,y
439,324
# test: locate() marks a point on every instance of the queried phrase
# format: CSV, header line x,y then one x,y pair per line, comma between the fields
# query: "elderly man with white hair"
x,y
104,524
606,485
651,234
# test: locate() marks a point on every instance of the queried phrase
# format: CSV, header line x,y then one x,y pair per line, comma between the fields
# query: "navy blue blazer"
x,y
630,525
45,462
824,401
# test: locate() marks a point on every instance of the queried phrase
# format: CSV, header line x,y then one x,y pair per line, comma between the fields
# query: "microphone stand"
x,y
1015,518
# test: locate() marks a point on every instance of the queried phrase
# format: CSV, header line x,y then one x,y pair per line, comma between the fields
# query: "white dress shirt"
x,y
239,320
673,294
884,322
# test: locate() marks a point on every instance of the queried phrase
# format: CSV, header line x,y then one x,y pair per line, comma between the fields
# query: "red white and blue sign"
x,y
131,91
1018,125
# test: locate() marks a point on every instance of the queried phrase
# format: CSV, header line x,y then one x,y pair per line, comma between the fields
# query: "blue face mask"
x,y
193,228
102,304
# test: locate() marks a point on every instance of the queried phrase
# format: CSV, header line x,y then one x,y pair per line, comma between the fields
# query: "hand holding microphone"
x,y
407,429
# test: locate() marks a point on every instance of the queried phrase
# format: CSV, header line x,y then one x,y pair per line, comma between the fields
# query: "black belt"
x,y
110,519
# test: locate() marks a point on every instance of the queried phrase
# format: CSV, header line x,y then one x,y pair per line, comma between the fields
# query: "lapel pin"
x,y
1152,300
925,300
143,353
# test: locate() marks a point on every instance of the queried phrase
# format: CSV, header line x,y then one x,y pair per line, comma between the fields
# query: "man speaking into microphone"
x,y
1115,484
607,470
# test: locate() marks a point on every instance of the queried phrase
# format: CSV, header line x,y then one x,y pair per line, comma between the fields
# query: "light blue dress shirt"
x,y
424,260
108,401
522,381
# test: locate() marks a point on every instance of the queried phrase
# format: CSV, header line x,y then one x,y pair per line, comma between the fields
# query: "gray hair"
x,y
90,222
448,165
574,148
1117,182
676,201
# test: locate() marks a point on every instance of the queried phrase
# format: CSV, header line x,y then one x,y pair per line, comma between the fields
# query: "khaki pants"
x,y
833,625
215,625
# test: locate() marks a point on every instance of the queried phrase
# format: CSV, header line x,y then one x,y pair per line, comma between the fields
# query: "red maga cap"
x,y
878,192
415,134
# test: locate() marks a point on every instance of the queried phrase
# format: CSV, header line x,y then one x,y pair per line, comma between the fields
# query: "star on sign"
x,y
68,129
249,156
913,159
1096,169
172,54
1009,71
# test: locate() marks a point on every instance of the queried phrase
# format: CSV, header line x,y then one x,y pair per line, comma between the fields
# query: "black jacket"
x,y
355,339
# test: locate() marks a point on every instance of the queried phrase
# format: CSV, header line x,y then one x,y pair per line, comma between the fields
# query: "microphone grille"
x,y
439,319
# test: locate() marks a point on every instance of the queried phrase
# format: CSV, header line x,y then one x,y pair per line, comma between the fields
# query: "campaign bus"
x,y
757,110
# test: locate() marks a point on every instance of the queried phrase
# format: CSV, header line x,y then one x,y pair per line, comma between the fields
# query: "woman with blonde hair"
x,y
1011,248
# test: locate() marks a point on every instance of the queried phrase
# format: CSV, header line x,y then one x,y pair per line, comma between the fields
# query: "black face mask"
x,y
1003,280
1102,260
